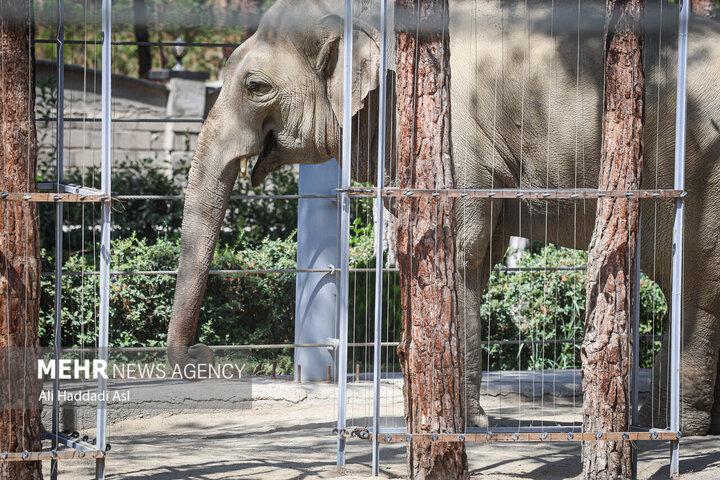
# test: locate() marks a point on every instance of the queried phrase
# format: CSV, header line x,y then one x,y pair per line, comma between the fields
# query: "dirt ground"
x,y
287,434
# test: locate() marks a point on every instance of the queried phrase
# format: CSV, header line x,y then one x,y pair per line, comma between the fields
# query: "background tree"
x,y
142,35
430,350
19,246
606,349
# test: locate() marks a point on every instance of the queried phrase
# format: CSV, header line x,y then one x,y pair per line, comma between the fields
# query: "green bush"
x,y
255,220
547,305
255,309
534,306
237,308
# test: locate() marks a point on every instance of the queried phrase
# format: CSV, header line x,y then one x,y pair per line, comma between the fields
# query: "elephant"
x,y
526,102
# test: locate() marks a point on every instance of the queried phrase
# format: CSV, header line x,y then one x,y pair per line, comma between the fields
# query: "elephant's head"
x,y
281,103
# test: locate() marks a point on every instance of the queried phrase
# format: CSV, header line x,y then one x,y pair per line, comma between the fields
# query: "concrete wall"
x,y
132,99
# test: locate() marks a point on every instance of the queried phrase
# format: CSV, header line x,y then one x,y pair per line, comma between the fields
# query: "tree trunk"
x,y
19,248
245,17
142,35
704,8
431,350
606,349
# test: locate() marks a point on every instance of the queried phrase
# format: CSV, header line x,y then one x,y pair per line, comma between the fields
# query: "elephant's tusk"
x,y
243,167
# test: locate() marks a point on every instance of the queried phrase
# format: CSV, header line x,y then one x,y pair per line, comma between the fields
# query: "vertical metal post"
x,y
343,290
105,170
60,147
636,343
677,249
377,358
317,247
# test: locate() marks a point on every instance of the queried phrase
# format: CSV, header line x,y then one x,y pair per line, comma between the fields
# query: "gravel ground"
x,y
287,435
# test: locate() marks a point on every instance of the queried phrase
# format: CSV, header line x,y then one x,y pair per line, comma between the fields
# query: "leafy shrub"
x,y
255,220
549,305
237,309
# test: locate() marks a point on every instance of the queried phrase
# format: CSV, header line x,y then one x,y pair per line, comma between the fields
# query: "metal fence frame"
x,y
69,193
379,434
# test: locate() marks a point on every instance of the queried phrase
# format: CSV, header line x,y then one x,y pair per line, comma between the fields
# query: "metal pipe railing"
x,y
335,346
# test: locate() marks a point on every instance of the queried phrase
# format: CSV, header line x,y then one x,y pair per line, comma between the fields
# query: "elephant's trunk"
x,y
211,179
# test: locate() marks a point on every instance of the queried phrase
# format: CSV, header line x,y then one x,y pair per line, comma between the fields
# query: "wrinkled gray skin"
x,y
281,101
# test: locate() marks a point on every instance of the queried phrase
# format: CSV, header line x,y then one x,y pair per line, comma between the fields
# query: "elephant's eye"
x,y
256,87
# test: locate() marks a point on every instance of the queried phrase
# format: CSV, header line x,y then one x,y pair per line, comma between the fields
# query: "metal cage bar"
x,y
105,187
344,207
57,327
379,224
677,249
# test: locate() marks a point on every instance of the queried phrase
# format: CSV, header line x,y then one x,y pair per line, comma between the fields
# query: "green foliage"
x,y
548,305
151,219
237,308
195,20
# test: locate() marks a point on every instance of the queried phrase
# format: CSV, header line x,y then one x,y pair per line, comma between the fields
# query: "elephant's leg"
x,y
715,412
478,257
699,364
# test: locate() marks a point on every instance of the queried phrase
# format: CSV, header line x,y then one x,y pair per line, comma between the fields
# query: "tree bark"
x,y
142,35
704,8
431,350
606,349
19,247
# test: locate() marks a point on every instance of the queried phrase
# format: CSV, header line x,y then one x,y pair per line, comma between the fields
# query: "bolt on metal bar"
x,y
379,224
517,193
678,251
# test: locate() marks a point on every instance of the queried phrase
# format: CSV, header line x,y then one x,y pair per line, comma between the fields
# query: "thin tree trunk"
x,y
606,348
142,35
431,350
704,8
19,247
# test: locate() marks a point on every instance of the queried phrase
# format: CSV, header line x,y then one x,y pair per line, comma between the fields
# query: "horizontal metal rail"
x,y
69,441
94,197
540,269
550,341
40,456
333,346
68,188
36,197
232,197
662,435
269,346
523,193
305,270
212,272
124,120
139,44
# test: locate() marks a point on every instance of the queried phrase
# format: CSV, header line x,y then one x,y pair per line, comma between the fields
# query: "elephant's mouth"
x,y
267,161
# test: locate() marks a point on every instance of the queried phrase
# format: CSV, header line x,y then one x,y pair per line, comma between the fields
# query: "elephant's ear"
x,y
366,63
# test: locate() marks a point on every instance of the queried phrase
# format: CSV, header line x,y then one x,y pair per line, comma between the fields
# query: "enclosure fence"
x,y
381,428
